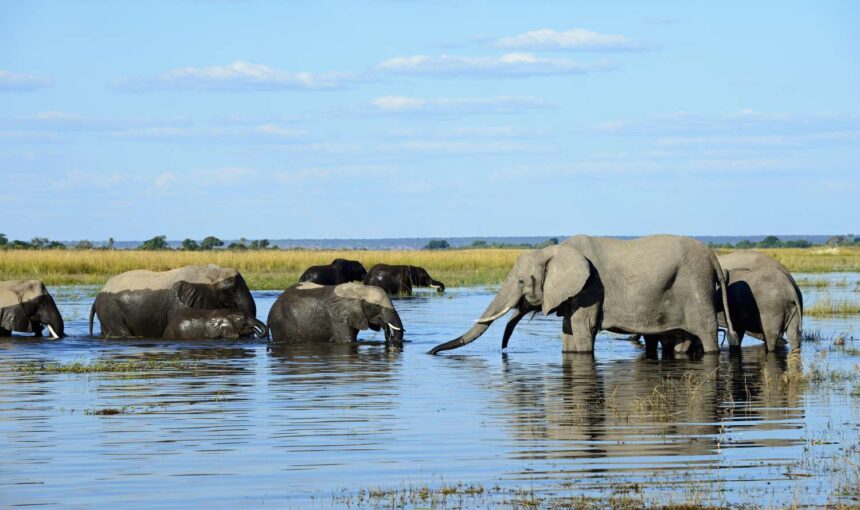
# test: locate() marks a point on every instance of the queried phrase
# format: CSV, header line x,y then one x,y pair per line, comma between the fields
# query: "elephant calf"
x,y
27,307
307,312
764,299
400,279
193,324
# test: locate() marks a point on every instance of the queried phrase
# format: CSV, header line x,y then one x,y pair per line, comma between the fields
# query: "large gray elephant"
x,y
307,312
194,324
27,307
140,303
764,300
400,279
651,285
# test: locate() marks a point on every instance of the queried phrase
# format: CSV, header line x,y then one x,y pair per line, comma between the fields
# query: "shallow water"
x,y
242,425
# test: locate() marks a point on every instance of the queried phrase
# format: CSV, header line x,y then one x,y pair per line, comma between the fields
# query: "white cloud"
x,y
238,76
234,175
164,179
507,65
576,39
23,82
452,106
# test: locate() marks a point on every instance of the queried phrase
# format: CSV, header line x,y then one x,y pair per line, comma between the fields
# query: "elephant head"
x,y
27,307
421,278
365,306
540,280
225,291
247,326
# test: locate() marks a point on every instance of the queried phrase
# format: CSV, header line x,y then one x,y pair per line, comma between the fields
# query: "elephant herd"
x,y
672,291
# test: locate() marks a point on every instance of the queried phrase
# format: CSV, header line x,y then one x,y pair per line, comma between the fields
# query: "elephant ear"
x,y
14,318
197,295
351,313
567,272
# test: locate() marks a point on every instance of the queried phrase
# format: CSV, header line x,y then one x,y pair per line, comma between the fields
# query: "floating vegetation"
x,y
821,283
103,366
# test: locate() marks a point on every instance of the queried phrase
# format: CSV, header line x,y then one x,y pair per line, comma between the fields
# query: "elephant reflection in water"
x,y
638,408
764,388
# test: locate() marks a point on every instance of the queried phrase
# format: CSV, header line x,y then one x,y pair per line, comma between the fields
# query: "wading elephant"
x,y
194,324
339,271
400,279
651,285
764,300
140,303
27,307
307,312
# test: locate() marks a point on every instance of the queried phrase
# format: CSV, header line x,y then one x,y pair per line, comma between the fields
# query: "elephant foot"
x,y
571,343
683,346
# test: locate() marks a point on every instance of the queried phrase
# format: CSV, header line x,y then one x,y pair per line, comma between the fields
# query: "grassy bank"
x,y
264,270
277,269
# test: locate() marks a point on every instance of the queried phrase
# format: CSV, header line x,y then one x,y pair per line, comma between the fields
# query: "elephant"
x,y
26,306
140,303
307,312
650,285
400,279
192,324
764,300
339,271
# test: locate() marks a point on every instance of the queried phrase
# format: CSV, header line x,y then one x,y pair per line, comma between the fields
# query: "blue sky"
x,y
399,119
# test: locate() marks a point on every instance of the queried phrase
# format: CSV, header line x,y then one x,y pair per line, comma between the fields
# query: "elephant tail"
x,y
92,315
724,291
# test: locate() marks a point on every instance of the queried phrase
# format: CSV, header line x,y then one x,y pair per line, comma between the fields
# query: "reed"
x,y
828,306
263,270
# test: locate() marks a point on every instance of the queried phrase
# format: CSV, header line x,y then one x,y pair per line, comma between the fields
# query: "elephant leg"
x,y
5,332
577,333
772,332
706,336
651,342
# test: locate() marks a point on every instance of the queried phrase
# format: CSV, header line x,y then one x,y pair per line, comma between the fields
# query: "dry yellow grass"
x,y
264,270
277,269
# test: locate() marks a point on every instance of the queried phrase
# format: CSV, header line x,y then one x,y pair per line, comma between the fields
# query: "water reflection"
x,y
213,422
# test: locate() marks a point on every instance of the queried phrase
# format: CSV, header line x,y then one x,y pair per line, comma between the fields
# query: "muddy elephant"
x,y
194,324
339,271
307,312
27,307
140,303
650,285
764,300
399,280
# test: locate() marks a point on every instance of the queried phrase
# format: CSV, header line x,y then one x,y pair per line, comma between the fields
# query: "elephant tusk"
x,y
435,286
54,334
392,326
485,320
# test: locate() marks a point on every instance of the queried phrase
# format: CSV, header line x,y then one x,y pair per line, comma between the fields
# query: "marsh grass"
x,y
828,306
278,269
821,283
263,270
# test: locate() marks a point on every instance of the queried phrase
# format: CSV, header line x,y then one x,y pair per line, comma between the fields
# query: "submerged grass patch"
x,y
829,306
103,366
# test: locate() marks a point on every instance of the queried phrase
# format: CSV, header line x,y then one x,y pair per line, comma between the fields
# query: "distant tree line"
x,y
776,242
442,244
43,243
206,244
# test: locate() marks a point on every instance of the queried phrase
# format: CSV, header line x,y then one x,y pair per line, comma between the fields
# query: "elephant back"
x,y
15,292
142,279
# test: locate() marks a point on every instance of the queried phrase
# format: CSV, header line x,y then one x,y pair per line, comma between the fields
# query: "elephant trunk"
x,y
50,316
260,328
723,282
507,298
393,326
440,287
